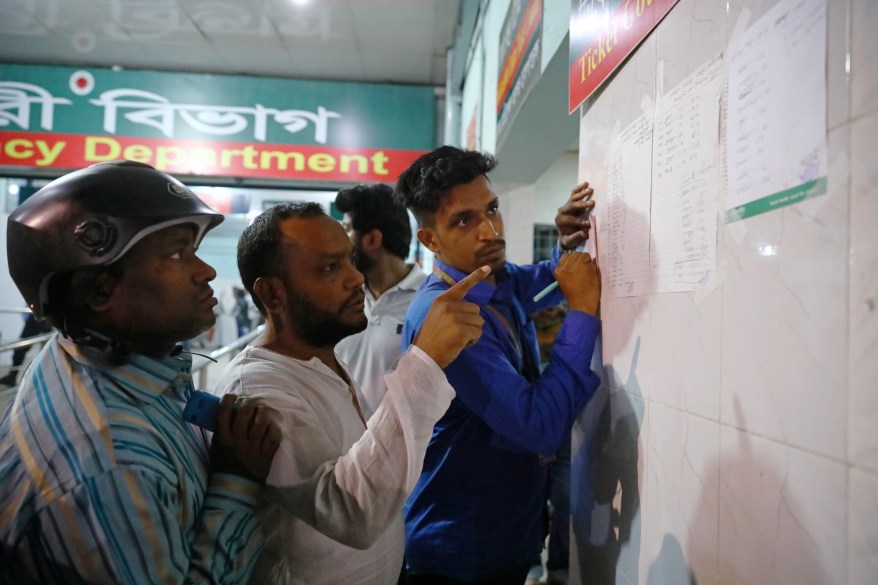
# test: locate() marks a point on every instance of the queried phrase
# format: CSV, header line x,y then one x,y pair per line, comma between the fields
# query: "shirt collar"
x,y
412,280
480,294
141,377
314,363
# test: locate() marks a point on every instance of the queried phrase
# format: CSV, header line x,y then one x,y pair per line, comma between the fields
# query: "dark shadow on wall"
x,y
669,567
606,513
605,498
605,477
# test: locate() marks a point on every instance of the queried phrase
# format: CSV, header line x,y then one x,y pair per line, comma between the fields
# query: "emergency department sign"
x,y
196,124
602,34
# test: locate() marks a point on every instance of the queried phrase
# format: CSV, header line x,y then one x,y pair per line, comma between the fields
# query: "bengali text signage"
x,y
65,118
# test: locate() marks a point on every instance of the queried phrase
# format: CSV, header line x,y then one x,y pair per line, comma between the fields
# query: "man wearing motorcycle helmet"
x,y
101,479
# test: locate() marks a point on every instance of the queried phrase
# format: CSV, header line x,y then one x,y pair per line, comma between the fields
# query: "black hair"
x,y
423,185
259,246
373,207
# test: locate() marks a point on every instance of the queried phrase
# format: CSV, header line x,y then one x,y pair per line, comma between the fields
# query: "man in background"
x,y
380,230
101,479
241,311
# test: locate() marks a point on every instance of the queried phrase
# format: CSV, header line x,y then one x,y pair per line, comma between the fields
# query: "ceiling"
x,y
383,41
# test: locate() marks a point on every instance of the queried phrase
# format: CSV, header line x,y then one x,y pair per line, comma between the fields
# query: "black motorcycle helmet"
x,y
89,219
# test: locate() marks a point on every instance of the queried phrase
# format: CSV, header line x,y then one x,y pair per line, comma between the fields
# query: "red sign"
x,y
192,157
525,32
601,39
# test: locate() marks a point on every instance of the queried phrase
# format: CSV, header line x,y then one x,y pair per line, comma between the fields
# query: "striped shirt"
x,y
101,480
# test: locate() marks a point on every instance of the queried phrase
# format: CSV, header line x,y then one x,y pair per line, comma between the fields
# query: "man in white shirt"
x,y
380,230
331,510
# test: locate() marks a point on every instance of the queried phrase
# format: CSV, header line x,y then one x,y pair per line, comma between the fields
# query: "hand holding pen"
x,y
573,225
572,218
579,278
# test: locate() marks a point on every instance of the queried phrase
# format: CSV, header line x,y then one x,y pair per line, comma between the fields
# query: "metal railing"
x,y
26,342
200,363
5,393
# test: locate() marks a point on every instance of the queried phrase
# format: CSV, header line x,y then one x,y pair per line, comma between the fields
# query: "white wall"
x,y
535,203
748,417
738,429
553,188
487,77
517,208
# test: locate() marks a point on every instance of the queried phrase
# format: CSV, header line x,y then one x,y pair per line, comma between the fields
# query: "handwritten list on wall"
x,y
624,228
776,94
685,182
658,231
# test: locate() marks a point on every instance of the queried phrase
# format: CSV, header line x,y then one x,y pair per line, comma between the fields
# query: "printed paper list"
x,y
624,236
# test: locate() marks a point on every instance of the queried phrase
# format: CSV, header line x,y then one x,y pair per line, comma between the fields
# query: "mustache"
x,y
357,297
496,243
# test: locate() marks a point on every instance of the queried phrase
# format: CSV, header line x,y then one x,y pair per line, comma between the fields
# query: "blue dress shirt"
x,y
477,508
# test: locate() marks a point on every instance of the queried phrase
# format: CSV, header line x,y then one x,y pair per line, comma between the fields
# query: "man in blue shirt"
x,y
476,514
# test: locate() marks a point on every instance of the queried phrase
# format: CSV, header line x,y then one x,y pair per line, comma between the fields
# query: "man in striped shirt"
x,y
101,480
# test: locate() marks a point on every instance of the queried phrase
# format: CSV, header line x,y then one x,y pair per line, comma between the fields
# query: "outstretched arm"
x,y
353,497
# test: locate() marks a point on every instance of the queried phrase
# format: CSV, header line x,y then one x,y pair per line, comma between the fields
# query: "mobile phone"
x,y
201,410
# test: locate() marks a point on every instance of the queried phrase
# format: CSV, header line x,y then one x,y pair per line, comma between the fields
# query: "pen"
x,y
539,296
580,248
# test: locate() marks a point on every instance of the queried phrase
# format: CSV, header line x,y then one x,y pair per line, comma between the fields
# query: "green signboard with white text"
x,y
216,125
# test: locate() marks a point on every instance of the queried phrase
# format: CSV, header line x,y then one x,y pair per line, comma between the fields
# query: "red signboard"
x,y
194,157
519,53
525,32
601,38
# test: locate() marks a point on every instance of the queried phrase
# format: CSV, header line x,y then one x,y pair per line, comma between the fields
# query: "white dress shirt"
x,y
373,351
332,508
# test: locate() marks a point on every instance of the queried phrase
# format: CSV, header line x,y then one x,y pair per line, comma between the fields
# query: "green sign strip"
x,y
777,200
216,108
